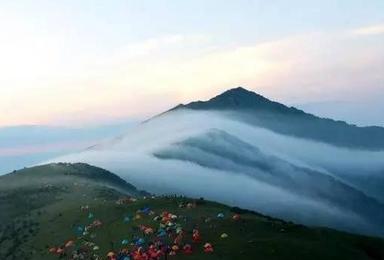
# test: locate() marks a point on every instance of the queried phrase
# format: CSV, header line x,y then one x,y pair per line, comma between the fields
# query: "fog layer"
x,y
208,154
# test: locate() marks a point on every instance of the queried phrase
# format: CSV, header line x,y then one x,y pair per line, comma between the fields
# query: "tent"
x,y
224,235
196,236
69,243
208,248
220,215
111,256
236,217
187,249
59,251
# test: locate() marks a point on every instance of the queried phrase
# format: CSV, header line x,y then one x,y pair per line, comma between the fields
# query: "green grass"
x,y
27,232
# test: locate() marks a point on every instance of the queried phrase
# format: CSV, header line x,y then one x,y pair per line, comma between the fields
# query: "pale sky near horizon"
x,y
70,62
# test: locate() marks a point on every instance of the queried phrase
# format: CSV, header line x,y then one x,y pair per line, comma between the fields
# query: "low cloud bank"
x,y
132,157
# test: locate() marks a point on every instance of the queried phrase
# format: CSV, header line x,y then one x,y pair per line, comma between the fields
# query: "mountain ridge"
x,y
252,108
238,92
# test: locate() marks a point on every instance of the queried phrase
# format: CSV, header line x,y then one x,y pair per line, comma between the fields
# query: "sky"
x,y
75,62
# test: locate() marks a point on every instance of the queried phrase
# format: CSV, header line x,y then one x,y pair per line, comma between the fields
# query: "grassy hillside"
x,y
41,186
44,207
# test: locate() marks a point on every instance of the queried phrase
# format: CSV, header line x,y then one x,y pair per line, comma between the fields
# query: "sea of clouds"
x,y
134,157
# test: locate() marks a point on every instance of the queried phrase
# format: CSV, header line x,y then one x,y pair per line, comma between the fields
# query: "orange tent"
x,y
69,243
236,217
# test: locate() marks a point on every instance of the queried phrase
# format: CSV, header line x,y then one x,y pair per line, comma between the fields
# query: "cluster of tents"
x,y
60,250
166,236
72,249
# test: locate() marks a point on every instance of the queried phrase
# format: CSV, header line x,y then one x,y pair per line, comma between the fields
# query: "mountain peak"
x,y
242,94
237,98
238,89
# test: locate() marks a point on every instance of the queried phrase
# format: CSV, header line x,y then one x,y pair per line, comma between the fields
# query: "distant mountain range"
x,y
242,149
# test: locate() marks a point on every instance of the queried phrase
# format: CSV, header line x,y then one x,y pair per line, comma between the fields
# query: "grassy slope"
x,y
44,211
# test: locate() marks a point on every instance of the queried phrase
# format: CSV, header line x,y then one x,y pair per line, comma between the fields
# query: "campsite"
x,y
83,218
191,130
